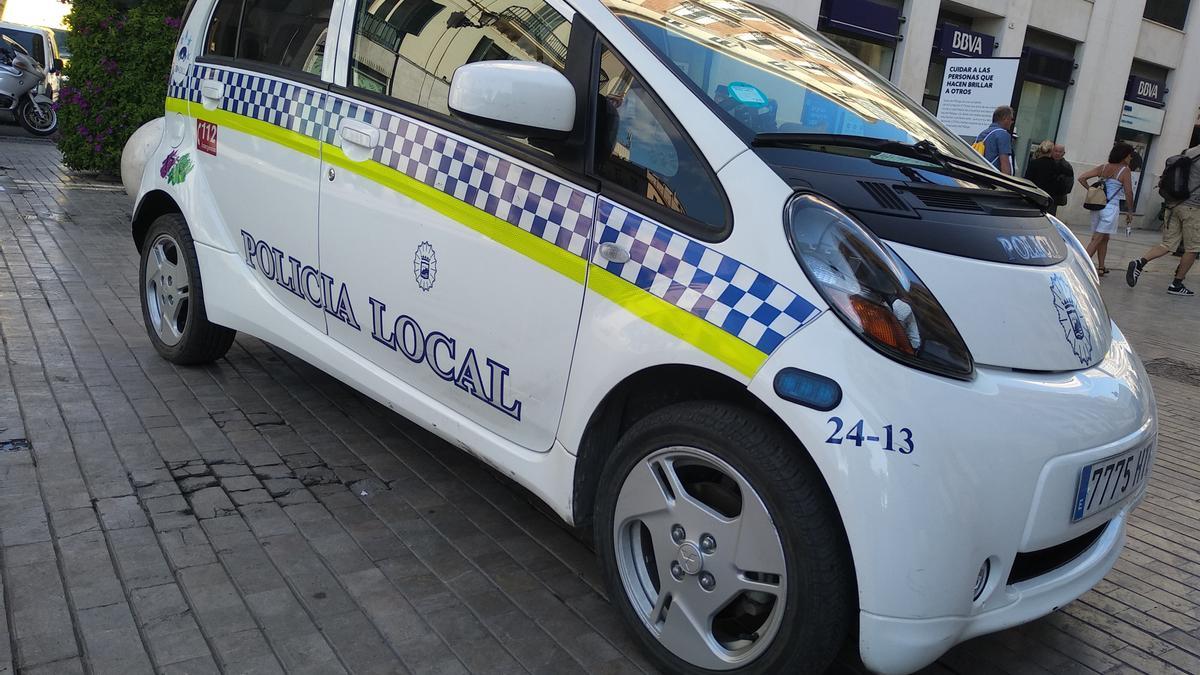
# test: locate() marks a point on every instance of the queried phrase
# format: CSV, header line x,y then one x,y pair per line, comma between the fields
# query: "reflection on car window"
x,y
288,33
641,150
409,49
223,28
772,75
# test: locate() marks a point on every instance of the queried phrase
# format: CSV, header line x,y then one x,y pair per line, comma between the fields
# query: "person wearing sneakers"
x,y
1182,226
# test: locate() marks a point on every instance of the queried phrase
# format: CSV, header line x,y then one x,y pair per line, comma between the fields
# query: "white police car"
x,y
702,282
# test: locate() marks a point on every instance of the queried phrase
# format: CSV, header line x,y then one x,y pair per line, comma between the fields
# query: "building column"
x,y
1092,110
914,51
1183,100
804,11
1009,30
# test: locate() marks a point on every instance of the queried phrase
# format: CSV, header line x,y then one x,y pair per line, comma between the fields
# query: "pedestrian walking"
x,y
1050,171
1115,184
995,143
1182,226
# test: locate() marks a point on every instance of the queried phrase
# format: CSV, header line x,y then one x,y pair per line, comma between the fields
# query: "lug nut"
x,y
707,543
678,534
707,581
676,570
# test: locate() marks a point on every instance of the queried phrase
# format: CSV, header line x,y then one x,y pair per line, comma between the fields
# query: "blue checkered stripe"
x,y
276,102
546,208
724,292
542,206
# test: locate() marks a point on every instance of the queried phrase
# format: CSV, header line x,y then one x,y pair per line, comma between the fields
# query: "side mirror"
x,y
57,66
516,98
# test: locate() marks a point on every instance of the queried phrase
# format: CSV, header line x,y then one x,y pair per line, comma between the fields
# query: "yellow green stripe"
x,y
177,105
678,322
560,260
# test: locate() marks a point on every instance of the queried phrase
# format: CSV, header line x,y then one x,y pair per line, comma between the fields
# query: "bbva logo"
x,y
968,42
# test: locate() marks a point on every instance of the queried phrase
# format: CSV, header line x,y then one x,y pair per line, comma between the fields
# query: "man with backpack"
x,y
1180,189
995,143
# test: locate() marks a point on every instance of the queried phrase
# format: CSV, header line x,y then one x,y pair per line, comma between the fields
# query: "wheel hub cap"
x,y
690,558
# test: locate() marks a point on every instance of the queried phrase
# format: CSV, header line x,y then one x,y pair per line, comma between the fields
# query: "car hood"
x,y
1037,318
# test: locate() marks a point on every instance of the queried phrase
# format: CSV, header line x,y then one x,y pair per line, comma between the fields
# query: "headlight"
x,y
873,290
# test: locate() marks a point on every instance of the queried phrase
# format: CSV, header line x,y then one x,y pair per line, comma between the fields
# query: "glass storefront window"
x,y
878,57
1038,116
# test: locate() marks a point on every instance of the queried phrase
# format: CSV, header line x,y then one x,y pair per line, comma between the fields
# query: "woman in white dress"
x,y
1117,186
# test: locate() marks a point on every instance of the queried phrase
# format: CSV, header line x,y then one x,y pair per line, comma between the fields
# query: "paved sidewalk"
x,y
257,516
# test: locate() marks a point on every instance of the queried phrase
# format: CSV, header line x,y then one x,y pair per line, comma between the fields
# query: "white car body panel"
x,y
996,459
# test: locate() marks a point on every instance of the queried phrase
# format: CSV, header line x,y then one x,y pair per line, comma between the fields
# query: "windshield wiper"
x,y
922,150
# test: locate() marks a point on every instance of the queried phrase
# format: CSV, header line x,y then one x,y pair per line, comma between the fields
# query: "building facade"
x,y
1091,72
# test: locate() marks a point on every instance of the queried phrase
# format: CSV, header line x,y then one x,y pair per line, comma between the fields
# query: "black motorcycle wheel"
x,y
44,124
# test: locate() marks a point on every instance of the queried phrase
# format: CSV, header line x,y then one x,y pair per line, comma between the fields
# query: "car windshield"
x,y
772,75
14,44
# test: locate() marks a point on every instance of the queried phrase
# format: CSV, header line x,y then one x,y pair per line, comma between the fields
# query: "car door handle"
x,y
614,253
212,90
211,94
357,133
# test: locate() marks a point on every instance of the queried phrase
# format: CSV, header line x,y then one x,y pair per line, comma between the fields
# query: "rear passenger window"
x,y
409,49
641,150
285,33
223,29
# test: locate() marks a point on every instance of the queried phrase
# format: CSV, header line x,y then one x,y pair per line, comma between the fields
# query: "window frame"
x,y
273,70
689,225
570,157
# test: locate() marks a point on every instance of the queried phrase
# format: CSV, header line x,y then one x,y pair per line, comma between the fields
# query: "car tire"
x,y
706,449
173,304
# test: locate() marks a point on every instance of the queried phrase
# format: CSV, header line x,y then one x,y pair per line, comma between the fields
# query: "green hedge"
x,y
117,77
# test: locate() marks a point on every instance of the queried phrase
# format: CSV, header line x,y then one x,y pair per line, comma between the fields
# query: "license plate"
x,y
1108,481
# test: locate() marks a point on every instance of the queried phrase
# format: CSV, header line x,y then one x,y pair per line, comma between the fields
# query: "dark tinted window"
x,y
287,33
223,29
1171,12
409,49
32,42
640,149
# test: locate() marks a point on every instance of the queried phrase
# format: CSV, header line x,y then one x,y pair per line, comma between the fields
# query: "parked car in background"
x,y
43,47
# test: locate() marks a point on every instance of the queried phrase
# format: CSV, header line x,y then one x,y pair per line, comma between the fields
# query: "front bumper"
x,y
897,645
993,474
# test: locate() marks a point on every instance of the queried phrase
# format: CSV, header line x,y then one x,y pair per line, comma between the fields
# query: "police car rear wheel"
x,y
721,544
173,297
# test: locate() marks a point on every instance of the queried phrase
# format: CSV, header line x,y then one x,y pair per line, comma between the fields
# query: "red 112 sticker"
x,y
206,137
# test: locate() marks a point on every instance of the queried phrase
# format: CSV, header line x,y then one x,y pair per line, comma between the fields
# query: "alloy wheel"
x,y
700,558
167,289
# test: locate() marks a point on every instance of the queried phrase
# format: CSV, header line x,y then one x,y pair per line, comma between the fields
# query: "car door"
x,y
259,126
462,253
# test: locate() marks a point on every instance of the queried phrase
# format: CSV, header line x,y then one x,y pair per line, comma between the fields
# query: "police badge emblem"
x,y
425,266
1074,329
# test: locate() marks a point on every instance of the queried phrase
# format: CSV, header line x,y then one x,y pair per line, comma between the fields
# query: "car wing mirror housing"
x,y
515,98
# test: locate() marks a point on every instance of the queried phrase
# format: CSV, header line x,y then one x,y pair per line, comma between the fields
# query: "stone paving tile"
x,y
256,516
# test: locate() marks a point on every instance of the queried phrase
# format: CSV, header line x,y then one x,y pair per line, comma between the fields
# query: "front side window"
x,y
285,33
408,49
641,150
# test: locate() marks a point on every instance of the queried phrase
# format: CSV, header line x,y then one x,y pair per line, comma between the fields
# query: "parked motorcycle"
x,y
20,76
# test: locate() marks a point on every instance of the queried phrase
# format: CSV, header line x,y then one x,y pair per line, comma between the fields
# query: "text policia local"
x,y
442,353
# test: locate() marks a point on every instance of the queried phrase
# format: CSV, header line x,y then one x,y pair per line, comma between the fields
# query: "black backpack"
x,y
1173,186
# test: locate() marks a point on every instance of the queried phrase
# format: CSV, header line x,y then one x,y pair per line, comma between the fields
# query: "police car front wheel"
x,y
721,544
173,297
